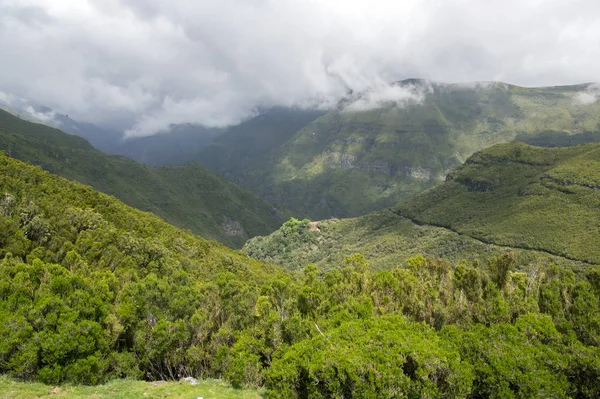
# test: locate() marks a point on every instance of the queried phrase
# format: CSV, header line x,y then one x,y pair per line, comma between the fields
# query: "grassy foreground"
x,y
207,389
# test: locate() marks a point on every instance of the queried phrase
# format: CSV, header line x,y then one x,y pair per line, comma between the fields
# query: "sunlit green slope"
x,y
542,202
350,162
522,196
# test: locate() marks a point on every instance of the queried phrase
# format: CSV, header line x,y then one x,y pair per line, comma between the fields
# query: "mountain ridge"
x,y
347,163
501,196
93,290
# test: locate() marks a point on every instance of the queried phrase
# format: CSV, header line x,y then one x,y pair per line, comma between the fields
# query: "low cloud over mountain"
x,y
142,65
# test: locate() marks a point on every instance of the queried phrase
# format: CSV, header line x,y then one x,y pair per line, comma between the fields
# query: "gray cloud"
x,y
589,96
144,64
385,94
28,110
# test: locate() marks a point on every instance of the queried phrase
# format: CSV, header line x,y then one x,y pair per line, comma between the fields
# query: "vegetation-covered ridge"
x,y
543,203
352,161
91,289
190,196
521,196
386,240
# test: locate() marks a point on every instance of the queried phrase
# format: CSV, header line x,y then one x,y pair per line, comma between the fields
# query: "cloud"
x,y
25,108
45,117
217,112
589,96
480,85
385,94
10,100
142,65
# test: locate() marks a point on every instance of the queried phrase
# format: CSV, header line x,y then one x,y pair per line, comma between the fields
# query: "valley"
x,y
333,199
189,196
540,202
444,289
350,162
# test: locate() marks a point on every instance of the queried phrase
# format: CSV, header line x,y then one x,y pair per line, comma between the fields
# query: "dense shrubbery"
x,y
91,289
282,246
434,330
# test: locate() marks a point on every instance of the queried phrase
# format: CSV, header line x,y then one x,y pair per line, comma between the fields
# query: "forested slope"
x,y
91,288
358,159
385,238
189,196
543,203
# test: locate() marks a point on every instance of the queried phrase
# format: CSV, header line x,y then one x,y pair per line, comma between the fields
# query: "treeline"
x,y
92,290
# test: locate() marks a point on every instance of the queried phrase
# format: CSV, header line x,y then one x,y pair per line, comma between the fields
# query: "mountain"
x,y
216,147
190,196
542,203
255,137
349,161
179,145
92,290
104,139
521,196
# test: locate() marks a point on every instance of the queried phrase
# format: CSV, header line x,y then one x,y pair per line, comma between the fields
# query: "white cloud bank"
x,y
589,96
142,65
24,108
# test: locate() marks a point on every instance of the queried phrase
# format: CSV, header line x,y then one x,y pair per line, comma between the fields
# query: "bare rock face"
x,y
233,228
419,173
342,160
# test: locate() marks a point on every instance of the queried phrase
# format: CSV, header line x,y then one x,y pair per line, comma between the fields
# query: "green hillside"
x,y
522,196
235,147
386,240
189,196
348,163
92,290
543,203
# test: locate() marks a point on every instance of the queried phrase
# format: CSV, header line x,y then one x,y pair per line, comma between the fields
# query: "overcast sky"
x,y
144,64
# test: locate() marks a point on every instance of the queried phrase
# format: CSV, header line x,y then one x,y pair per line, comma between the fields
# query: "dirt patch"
x,y
314,226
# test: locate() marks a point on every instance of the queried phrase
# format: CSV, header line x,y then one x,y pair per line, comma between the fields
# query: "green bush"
x,y
112,292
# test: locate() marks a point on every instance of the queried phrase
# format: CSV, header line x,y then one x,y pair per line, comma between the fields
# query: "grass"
x,y
523,196
125,389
